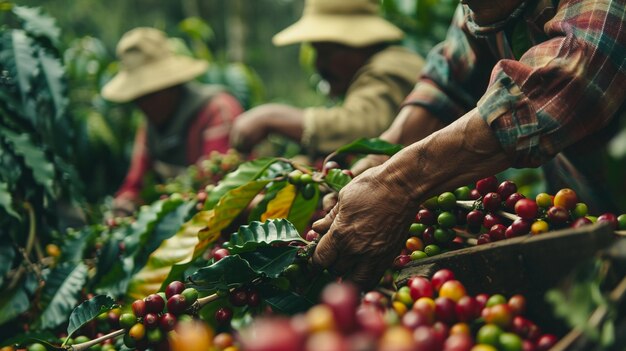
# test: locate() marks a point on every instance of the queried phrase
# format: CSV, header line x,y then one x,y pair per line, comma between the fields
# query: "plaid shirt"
x,y
545,79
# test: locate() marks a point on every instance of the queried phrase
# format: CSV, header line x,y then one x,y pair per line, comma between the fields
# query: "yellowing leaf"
x,y
280,206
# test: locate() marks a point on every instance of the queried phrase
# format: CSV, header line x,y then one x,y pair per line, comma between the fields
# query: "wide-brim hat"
x,y
148,64
355,23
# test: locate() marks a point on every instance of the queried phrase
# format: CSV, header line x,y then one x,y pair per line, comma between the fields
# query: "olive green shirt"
x,y
370,105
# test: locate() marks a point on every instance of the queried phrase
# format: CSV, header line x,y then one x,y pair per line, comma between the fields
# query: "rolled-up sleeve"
x,y
455,75
562,89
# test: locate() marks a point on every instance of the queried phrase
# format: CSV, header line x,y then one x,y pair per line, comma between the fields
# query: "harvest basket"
x,y
528,265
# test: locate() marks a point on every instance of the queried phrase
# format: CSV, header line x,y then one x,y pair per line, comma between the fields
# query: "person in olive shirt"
x,y
356,56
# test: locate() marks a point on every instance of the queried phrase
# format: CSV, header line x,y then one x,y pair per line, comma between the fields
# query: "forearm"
x,y
412,124
457,155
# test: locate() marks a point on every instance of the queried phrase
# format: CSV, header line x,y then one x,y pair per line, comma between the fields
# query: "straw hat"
x,y
148,64
355,23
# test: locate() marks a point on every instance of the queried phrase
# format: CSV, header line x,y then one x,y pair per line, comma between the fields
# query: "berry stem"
x,y
469,205
90,343
207,299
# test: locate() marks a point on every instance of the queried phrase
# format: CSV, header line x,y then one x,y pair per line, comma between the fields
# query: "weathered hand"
x,y
365,230
368,162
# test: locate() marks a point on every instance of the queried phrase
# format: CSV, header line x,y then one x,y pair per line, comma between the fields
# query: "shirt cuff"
x,y
522,131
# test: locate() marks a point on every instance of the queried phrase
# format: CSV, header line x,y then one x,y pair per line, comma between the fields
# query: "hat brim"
x,y
127,86
354,30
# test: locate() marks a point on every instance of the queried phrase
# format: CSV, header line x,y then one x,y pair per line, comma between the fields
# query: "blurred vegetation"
x,y
234,36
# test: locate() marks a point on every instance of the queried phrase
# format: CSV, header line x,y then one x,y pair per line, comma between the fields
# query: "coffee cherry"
x,y
254,298
220,253
506,188
474,194
446,201
446,219
467,309
440,277
167,322
127,320
544,200
496,232
224,340
426,217
484,239
492,201
312,235
154,303
154,336
137,332
420,287
308,191
173,288
609,218
139,308
295,176
429,236
330,165
401,261
526,208
580,210
557,215
151,320
191,296
521,226
509,202
306,179
176,304
463,193
445,310
539,227
129,341
223,315
490,220
545,342
566,198
579,222
452,289
621,222
238,297
475,218
487,185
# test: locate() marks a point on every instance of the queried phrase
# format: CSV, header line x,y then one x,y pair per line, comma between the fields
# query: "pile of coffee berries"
x,y
156,315
492,211
427,314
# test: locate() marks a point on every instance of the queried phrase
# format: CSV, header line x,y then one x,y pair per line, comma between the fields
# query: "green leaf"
x,y
280,206
268,195
302,210
258,234
270,261
88,310
336,179
289,302
230,206
37,23
373,146
116,281
246,172
60,294
26,338
25,67
229,272
55,79
35,158
74,244
6,201
13,303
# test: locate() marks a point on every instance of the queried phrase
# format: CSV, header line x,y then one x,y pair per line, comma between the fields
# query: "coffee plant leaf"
x,y
229,272
372,146
6,201
289,302
258,234
63,286
38,23
175,252
88,310
245,173
302,210
13,303
270,261
337,179
230,206
280,206
269,194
